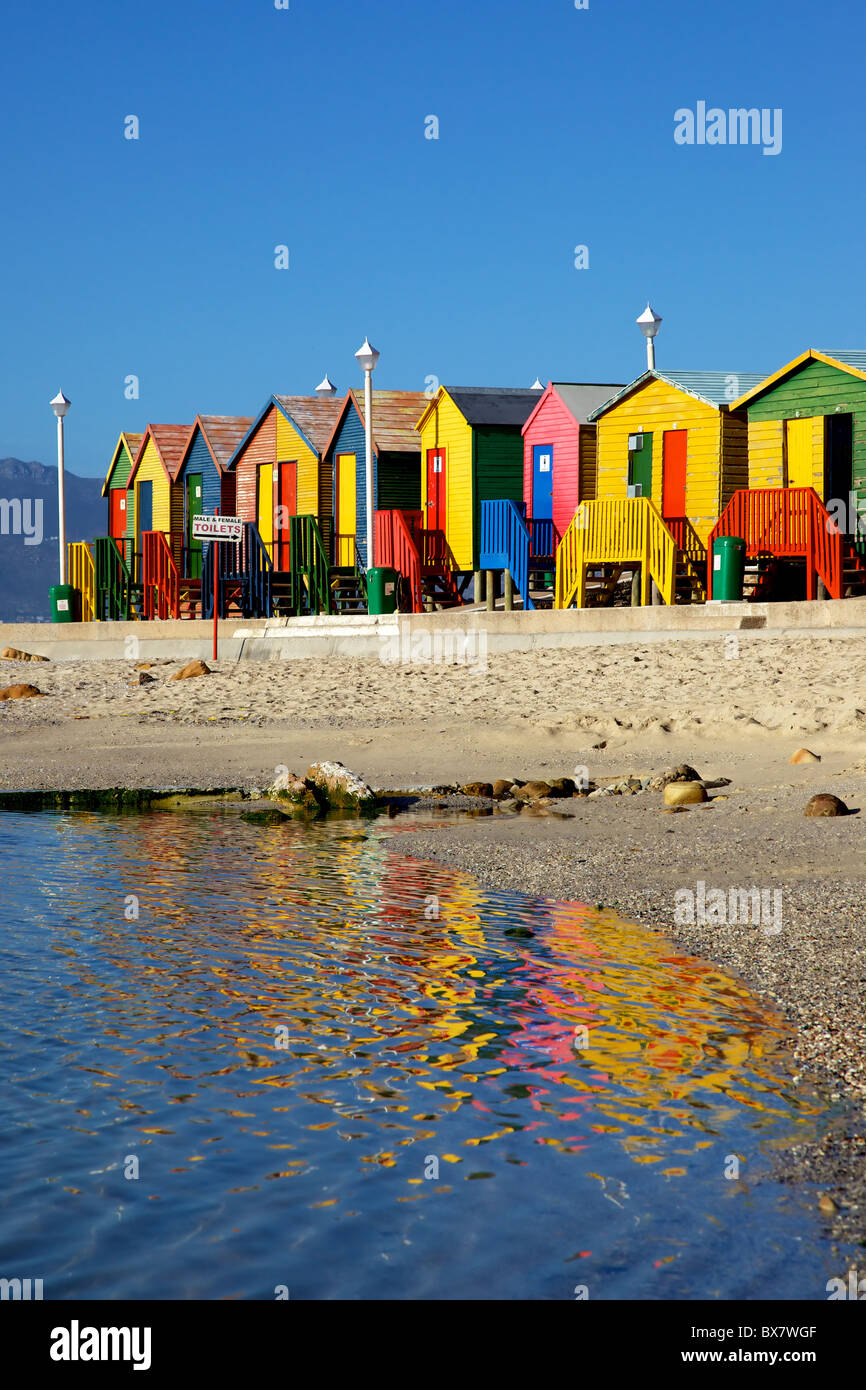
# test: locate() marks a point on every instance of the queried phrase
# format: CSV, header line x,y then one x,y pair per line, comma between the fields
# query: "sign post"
x,y
218,530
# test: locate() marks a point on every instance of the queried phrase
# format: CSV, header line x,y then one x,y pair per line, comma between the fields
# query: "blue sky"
x,y
261,127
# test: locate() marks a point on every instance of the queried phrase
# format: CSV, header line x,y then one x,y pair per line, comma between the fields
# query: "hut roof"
x,y
713,388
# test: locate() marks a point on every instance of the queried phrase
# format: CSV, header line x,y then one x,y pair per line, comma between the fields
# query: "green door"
x,y
640,464
193,509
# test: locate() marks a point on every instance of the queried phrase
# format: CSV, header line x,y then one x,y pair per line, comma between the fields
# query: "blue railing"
x,y
244,575
504,543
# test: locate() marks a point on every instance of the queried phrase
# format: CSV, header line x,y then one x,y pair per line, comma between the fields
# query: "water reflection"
x,y
359,1075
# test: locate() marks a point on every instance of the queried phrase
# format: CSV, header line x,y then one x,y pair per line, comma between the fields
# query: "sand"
x,y
734,707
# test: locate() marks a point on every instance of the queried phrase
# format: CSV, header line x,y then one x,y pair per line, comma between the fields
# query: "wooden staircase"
x,y
420,557
82,577
116,597
606,538
787,529
347,585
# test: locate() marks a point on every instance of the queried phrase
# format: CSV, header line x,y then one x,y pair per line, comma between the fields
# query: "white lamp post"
x,y
648,323
326,387
60,405
367,357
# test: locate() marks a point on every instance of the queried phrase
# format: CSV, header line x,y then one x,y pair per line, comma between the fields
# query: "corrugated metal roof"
x,y
395,415
315,416
715,388
850,357
494,405
223,434
582,397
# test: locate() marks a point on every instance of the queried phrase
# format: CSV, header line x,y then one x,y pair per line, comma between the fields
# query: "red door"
x,y
285,506
117,523
435,520
674,473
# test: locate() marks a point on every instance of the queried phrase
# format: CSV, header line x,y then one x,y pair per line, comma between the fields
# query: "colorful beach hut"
x,y
396,467
116,490
559,459
206,484
799,509
158,517
671,452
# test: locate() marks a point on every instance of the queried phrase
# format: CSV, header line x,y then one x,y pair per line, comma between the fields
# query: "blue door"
x,y
542,482
145,507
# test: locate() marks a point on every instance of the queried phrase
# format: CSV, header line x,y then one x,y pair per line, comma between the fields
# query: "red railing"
x,y
398,547
159,576
788,522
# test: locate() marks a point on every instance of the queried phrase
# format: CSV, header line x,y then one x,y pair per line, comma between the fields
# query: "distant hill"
x,y
28,571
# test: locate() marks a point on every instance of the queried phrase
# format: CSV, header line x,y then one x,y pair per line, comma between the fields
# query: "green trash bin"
x,y
382,589
729,563
62,603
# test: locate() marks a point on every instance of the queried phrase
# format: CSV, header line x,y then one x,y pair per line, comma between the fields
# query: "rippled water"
x,y
351,1074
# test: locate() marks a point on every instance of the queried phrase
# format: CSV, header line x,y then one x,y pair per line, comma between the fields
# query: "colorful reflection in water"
x,y
339,1070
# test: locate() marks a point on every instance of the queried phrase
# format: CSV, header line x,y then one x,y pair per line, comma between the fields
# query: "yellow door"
x,y
266,505
346,509
798,452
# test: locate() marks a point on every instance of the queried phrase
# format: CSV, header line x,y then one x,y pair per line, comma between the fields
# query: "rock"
x,y
340,788
510,805
532,791
13,654
827,1205
270,817
142,678
502,787
293,789
804,755
684,794
143,665
19,692
562,786
477,789
682,773
192,668
824,804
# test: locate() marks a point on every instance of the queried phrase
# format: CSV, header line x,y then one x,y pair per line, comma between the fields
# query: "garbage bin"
x,y
382,590
729,563
62,598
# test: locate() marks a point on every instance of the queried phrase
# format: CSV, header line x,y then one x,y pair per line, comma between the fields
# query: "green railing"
x,y
115,592
309,565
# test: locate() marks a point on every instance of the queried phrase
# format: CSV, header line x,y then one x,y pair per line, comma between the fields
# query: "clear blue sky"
x,y
306,127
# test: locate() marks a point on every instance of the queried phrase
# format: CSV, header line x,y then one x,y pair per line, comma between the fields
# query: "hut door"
x,y
676,443
436,479
287,507
798,452
192,569
145,508
347,509
838,458
117,514
265,506
542,482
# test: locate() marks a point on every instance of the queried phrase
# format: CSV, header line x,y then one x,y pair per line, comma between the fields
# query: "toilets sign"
x,y
217,528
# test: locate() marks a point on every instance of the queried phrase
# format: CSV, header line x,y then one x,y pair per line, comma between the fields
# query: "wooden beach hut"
x,y
158,517
798,511
671,451
116,490
206,484
559,451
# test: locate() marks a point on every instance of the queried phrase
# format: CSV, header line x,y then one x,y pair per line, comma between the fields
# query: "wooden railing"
x,y
159,577
692,553
309,565
82,576
543,539
503,543
398,535
113,586
786,522
616,532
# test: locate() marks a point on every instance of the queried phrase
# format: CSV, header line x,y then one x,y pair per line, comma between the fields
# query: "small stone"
x,y
502,787
143,665
532,791
13,654
477,789
142,678
681,773
562,786
191,669
804,755
824,804
827,1205
19,692
509,805
684,794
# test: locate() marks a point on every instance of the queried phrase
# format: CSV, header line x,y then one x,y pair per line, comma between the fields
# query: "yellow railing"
x,y
627,531
82,577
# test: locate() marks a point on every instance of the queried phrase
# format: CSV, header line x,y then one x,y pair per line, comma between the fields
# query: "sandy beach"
x,y
733,709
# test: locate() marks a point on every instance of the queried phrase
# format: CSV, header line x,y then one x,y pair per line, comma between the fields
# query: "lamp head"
x,y
60,405
367,356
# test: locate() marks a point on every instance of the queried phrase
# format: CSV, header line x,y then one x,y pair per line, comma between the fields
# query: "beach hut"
x,y
799,509
396,467
206,484
472,452
671,451
116,490
158,514
559,451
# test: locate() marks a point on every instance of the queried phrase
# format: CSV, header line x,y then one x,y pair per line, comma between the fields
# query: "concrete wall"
x,y
393,637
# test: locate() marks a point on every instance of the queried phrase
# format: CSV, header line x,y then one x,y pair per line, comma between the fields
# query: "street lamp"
x,y
536,385
648,323
367,357
326,387
60,406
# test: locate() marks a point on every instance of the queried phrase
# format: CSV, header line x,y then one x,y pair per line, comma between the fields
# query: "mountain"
x,y
29,558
